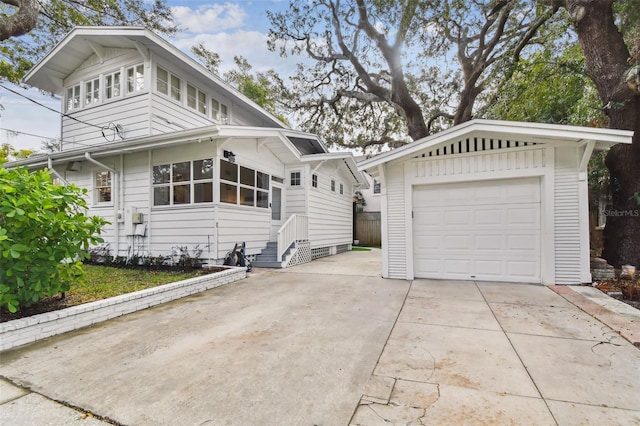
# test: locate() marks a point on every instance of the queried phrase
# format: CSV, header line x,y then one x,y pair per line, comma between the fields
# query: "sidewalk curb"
x,y
627,328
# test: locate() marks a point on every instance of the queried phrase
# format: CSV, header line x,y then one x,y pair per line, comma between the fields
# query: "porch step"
x,y
268,257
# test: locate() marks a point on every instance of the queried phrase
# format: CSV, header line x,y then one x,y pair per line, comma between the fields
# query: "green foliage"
x,y
8,153
44,235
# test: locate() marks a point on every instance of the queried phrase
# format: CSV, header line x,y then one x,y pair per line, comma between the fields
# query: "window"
x,y
102,185
169,84
73,97
176,89
92,91
376,187
295,179
244,186
314,181
186,182
135,79
219,111
196,99
112,85
341,189
162,81
333,185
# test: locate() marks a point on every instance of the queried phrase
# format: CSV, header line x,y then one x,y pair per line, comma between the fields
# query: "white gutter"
x,y
54,171
115,198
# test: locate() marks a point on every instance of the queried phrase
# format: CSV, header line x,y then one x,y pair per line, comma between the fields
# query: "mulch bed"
x,y
58,301
625,290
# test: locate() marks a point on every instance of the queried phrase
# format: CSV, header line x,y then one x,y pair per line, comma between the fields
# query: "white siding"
x,y
330,213
237,224
132,113
567,217
170,116
396,228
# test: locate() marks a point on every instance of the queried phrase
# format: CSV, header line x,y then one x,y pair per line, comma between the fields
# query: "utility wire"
x,y
49,108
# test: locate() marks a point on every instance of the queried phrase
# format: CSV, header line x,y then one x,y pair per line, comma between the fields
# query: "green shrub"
x,y
44,236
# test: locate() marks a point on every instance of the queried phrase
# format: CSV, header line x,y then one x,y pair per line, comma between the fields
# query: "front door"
x,y
277,210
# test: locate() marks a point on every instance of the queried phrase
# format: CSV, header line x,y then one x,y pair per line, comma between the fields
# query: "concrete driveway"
x,y
331,343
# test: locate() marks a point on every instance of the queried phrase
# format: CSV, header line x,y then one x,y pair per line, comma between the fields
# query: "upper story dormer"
x,y
120,84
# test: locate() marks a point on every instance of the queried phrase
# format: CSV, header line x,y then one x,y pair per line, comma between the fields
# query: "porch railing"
x,y
296,228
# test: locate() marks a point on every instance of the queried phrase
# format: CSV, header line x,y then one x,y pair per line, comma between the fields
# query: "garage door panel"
x,y
478,230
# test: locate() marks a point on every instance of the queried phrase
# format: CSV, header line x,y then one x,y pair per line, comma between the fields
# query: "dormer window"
x,y
92,91
219,112
135,79
73,97
112,85
168,84
196,99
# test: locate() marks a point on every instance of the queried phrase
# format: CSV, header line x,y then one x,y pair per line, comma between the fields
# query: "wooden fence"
x,y
368,229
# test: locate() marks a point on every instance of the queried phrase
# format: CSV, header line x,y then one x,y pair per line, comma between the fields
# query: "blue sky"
x,y
228,28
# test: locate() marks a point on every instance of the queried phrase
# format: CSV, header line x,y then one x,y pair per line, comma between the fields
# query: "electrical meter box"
x,y
137,218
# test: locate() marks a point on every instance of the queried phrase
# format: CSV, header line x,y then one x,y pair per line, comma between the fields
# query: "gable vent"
x,y
474,145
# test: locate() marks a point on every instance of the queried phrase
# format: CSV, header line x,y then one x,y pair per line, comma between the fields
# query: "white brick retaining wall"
x,y
27,330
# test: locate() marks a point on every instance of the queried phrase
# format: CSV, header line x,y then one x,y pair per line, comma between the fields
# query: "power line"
x,y
28,134
49,108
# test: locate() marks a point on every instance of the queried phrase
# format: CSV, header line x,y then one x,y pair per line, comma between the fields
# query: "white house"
x,y
174,157
491,201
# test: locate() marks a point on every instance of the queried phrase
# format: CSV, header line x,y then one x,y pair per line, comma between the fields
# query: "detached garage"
x,y
490,201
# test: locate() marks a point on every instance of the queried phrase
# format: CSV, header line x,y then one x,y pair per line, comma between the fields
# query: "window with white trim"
x,y
92,91
341,189
314,180
295,179
112,85
243,185
168,84
333,185
219,111
73,97
376,187
196,99
186,182
135,79
102,187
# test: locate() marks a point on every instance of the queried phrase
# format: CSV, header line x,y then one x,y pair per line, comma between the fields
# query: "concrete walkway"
x,y
331,343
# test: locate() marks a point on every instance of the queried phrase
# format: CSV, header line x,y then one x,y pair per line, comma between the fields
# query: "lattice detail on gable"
x,y
471,145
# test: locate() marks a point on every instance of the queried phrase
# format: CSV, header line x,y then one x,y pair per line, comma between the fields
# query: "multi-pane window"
x,y
333,185
73,97
162,81
295,179
341,189
169,84
135,79
219,112
196,99
376,187
92,91
102,186
176,88
243,185
112,85
186,182
314,180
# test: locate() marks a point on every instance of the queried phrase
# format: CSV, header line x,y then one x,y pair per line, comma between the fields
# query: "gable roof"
x,y
83,42
508,131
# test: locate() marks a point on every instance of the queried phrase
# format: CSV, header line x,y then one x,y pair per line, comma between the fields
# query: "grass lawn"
x,y
102,282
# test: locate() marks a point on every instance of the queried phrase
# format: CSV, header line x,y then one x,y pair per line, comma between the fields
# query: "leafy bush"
x,y
44,236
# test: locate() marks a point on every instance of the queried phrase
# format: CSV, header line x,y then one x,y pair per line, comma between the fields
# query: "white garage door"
x,y
487,230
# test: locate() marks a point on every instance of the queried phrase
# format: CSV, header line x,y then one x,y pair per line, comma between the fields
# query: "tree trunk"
x,y
606,56
22,21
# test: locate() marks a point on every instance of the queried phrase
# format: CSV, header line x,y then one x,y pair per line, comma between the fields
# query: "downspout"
x,y
116,201
54,171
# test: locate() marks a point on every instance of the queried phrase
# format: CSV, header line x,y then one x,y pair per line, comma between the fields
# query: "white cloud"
x,y
209,17
252,45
